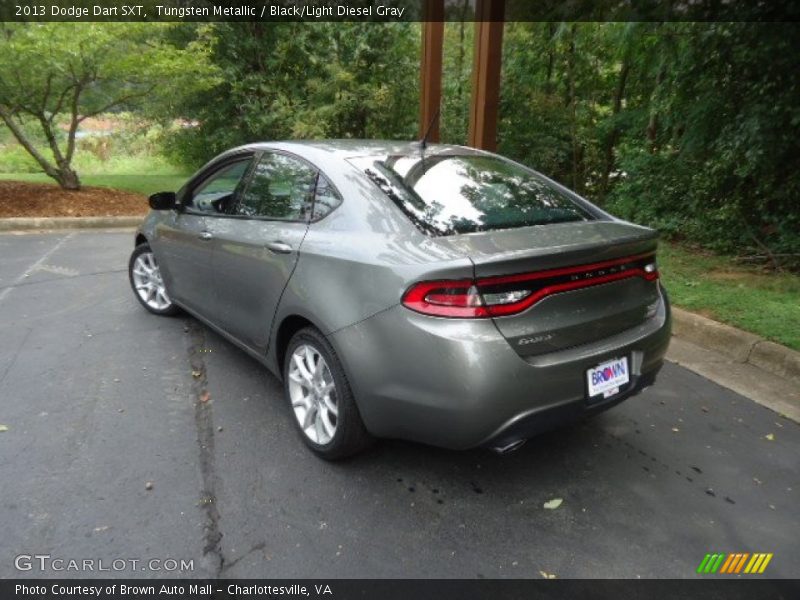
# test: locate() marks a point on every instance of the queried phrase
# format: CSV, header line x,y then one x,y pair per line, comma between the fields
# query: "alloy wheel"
x,y
148,282
313,394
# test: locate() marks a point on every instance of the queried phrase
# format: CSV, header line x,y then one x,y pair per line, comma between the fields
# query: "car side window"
x,y
217,194
326,198
281,187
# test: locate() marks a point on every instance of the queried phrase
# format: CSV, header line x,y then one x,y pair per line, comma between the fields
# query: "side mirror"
x,y
163,201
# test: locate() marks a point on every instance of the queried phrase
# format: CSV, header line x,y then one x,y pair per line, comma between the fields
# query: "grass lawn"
x,y
767,304
142,184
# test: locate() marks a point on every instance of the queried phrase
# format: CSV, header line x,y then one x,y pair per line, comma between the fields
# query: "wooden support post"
x,y
486,74
431,68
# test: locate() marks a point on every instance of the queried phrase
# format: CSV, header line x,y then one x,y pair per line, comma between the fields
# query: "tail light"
x,y
511,294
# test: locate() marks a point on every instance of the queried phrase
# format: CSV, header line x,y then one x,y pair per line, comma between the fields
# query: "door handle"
x,y
206,235
279,247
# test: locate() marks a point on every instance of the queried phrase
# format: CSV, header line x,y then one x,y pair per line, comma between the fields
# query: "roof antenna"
x,y
424,142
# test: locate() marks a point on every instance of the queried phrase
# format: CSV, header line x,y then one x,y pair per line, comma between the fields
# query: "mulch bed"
x,y
22,199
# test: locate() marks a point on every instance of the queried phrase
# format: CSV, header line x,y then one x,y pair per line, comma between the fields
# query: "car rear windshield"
x,y
452,194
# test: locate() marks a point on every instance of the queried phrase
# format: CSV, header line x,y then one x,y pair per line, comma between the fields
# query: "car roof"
x,y
351,148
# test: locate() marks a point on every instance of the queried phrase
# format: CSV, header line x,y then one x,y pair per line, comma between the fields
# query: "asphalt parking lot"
x,y
99,397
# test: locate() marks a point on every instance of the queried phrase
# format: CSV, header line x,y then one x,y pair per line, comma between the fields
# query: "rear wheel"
x,y
320,397
147,283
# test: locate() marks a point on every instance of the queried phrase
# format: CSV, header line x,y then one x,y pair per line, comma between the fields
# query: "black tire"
x,y
350,436
169,310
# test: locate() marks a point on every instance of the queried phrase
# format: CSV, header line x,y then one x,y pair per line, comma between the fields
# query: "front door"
x,y
185,242
257,248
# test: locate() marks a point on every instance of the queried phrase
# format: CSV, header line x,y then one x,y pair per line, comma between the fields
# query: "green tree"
x,y
692,128
456,75
713,155
62,73
299,80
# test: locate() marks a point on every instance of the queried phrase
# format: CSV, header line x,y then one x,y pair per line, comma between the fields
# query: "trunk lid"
x,y
586,280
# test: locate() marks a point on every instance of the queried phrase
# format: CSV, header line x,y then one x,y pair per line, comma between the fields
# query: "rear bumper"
x,y
459,384
538,421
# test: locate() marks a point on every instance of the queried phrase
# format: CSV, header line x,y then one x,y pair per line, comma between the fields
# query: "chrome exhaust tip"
x,y
509,448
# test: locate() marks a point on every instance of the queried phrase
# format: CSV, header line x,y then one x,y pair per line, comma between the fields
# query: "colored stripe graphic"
x,y
734,562
765,563
727,564
717,563
703,563
755,561
740,564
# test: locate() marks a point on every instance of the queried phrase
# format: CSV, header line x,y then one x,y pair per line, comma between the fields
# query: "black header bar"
x,y
395,10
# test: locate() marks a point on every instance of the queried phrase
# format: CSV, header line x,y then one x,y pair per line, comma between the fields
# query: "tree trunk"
x,y
63,173
67,178
460,63
652,124
463,115
614,134
577,184
551,58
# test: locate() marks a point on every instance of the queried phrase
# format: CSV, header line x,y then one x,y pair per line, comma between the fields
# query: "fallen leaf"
x,y
3,427
553,504
196,374
547,575
770,437
205,397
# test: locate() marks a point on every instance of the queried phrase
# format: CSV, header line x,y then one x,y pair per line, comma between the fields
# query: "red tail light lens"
x,y
512,294
456,298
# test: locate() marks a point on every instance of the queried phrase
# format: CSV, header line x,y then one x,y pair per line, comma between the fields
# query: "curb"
x,y
33,223
741,346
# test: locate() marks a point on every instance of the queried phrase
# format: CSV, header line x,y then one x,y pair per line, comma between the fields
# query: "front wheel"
x,y
319,395
147,283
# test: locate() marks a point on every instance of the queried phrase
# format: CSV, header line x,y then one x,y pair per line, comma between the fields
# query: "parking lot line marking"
x,y
34,266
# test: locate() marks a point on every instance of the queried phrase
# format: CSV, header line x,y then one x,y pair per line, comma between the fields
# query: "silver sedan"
x,y
434,293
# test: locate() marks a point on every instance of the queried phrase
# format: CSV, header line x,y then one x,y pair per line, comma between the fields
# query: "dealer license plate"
x,y
608,377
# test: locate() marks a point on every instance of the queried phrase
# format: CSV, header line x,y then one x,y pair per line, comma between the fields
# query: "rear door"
x,y
256,248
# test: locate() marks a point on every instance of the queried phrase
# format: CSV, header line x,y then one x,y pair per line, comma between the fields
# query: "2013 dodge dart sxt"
x,y
433,293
